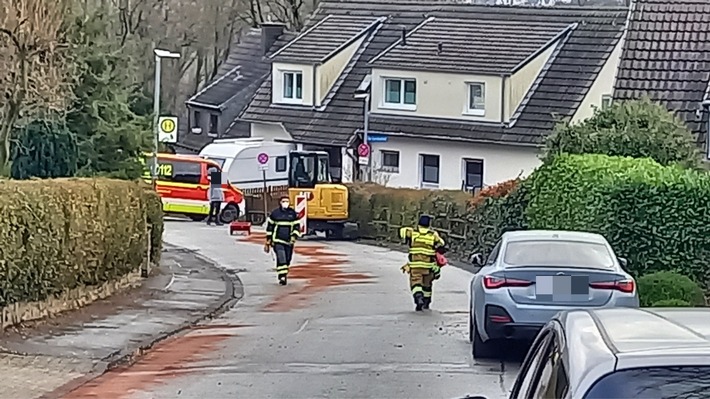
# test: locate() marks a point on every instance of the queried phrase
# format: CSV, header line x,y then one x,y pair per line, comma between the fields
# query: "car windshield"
x,y
653,382
218,161
558,253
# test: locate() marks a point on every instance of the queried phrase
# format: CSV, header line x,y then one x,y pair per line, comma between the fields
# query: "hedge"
x,y
467,223
668,288
66,233
656,216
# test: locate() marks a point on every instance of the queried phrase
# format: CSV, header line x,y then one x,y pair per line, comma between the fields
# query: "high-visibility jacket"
x,y
282,226
423,243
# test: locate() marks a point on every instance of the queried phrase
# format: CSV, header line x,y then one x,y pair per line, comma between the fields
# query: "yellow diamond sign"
x,y
167,129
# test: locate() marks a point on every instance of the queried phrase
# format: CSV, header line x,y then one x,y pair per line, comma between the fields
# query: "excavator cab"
x,y
327,201
308,169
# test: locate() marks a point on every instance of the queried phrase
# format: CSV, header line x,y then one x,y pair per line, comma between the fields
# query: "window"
x,y
401,92
430,169
196,120
293,86
548,253
473,173
214,120
179,171
280,164
553,383
606,101
476,99
494,254
390,160
530,370
653,382
218,161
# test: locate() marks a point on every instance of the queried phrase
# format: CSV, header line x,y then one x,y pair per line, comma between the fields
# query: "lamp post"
x,y
159,55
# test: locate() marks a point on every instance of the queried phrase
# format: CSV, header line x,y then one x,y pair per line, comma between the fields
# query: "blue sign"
x,y
376,138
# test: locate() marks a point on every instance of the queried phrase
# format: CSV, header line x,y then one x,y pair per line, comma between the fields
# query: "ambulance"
x,y
183,185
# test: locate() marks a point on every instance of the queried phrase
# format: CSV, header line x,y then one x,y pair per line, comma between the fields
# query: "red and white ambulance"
x,y
183,185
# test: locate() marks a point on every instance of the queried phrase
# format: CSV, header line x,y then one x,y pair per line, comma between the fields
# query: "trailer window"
x,y
280,164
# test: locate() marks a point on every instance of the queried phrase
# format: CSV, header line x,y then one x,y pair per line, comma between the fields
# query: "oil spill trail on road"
x,y
166,360
322,269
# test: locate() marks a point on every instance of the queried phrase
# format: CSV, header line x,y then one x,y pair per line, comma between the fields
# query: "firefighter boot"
x,y
427,303
419,301
282,279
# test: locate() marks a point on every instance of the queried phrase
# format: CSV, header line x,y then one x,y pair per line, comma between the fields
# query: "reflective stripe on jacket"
x,y
282,226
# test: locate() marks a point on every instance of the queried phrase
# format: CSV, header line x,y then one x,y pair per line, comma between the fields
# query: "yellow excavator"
x,y
327,204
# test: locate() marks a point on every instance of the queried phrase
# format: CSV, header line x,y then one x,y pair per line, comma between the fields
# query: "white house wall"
x,y
329,72
308,88
602,86
500,162
270,131
439,95
518,85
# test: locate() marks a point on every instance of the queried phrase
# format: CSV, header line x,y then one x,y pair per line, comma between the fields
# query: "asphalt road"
x,y
344,327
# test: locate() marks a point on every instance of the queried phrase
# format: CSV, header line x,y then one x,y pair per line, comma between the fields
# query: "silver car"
x,y
660,353
532,275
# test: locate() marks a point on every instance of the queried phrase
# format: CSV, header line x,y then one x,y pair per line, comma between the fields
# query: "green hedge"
x,y
668,288
467,223
66,233
656,216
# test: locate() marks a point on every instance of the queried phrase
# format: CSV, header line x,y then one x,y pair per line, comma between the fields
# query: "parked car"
x,y
659,353
532,275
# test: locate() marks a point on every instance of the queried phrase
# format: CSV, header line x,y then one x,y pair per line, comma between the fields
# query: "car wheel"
x,y
229,214
482,350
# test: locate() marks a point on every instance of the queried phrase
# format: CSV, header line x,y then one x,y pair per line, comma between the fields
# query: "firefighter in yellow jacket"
x,y
423,244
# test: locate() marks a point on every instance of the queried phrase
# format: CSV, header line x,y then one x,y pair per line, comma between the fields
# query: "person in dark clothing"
x,y
216,195
282,230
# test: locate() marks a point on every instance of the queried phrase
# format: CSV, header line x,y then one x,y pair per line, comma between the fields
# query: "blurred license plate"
x,y
562,288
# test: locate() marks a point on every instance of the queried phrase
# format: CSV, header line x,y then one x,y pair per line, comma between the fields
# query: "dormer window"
x,y
476,99
214,125
292,86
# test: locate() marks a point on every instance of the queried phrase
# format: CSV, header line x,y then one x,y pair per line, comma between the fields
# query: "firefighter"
x,y
282,230
424,243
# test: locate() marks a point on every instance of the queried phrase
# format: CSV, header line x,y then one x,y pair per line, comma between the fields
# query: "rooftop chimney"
x,y
439,48
404,36
270,32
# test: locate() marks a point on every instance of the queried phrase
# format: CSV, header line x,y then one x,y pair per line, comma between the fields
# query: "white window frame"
x,y
606,98
400,105
475,111
386,168
294,99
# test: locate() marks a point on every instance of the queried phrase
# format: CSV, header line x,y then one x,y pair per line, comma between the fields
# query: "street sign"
x,y
263,166
362,161
263,158
377,138
167,129
363,150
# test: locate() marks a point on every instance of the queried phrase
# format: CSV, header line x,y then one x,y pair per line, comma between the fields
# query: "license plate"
x,y
562,288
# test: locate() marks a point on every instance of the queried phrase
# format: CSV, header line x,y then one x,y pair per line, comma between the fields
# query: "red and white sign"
x,y
363,150
302,212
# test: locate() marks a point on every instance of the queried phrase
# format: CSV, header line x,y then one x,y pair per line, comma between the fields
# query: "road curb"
x,y
234,291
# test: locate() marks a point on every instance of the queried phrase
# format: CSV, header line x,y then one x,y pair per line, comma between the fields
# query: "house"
x,y
212,111
459,95
666,56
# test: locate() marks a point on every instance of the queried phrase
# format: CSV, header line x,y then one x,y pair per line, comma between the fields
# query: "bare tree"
x,y
34,78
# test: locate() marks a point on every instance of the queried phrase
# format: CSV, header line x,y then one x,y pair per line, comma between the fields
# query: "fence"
x,y
254,201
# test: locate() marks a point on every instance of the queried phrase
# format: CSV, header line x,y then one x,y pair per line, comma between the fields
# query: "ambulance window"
x,y
187,172
280,164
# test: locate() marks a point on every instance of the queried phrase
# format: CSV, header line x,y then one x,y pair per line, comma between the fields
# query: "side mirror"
x,y
476,259
623,261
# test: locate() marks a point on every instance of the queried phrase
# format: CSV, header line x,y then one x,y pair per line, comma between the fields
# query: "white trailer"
x,y
240,164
